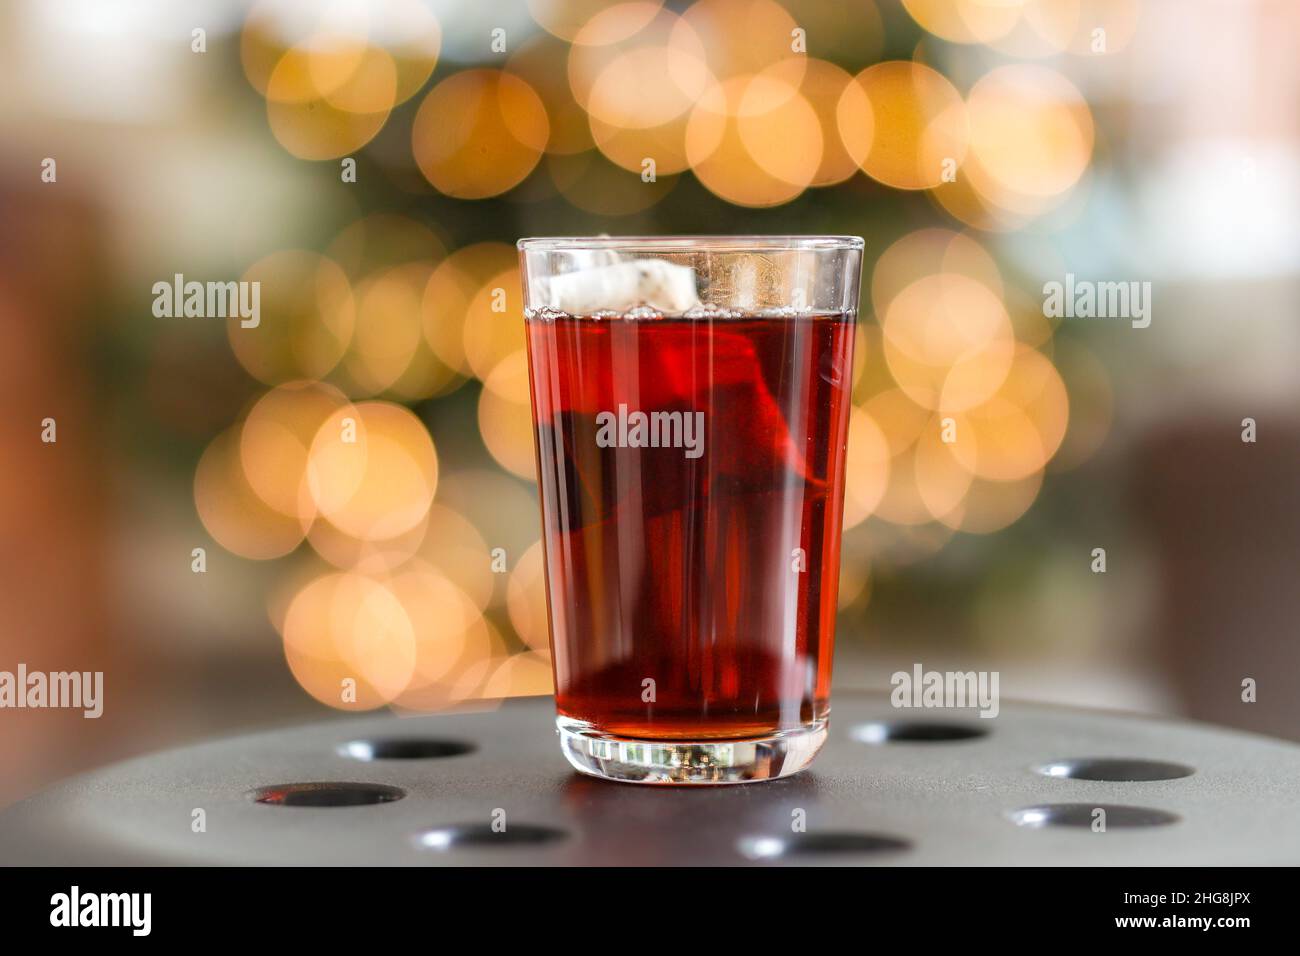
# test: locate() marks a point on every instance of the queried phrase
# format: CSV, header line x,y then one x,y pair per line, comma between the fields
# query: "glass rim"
x,y
742,243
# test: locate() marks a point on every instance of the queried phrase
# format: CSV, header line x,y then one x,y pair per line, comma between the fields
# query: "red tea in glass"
x,y
691,467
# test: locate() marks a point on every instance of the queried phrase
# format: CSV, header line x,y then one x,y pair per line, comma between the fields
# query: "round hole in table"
x,y
480,835
403,748
1114,769
1082,815
822,843
916,732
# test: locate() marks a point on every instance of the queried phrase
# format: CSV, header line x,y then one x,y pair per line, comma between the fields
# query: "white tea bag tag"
x,y
668,287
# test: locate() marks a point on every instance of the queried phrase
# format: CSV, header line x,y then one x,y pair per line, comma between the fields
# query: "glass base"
x,y
689,761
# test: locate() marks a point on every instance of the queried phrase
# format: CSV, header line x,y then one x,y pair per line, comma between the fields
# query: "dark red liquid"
x,y
685,571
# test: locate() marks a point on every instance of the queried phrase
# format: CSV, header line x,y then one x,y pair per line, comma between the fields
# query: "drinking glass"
x,y
690,399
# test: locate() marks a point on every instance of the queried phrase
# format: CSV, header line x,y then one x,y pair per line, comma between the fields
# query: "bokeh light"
x,y
737,140
905,124
742,38
325,120
521,675
948,341
1031,138
275,439
454,288
966,21
492,332
416,575
454,546
372,470
866,468
332,73
340,33
526,599
232,512
478,133
822,87
504,417
1091,28
349,641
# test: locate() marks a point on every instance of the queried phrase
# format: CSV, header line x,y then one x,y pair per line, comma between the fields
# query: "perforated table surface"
x,y
891,787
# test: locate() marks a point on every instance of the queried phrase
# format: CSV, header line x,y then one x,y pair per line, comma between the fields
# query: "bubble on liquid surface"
x,y
641,312
709,311
781,312
545,314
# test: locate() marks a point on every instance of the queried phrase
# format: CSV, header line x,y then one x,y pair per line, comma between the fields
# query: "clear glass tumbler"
x,y
690,398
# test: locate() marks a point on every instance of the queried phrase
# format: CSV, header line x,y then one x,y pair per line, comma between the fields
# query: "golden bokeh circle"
x,y
900,419
453,288
479,133
942,479
866,474
372,470
406,31
823,87
521,675
902,503
745,37
494,326
965,21
441,615
738,136
456,548
275,438
1031,137
635,66
918,127
232,512
349,627
526,599
505,416
647,86
1087,28
373,555
389,332
660,150
1018,429
931,251
948,341
323,104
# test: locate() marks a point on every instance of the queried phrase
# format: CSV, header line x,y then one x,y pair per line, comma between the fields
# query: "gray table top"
x,y
491,787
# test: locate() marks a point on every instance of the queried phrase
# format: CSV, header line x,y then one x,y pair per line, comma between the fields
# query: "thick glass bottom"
x,y
689,761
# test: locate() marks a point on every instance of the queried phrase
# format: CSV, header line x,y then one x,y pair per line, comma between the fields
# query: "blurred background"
x,y
371,164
